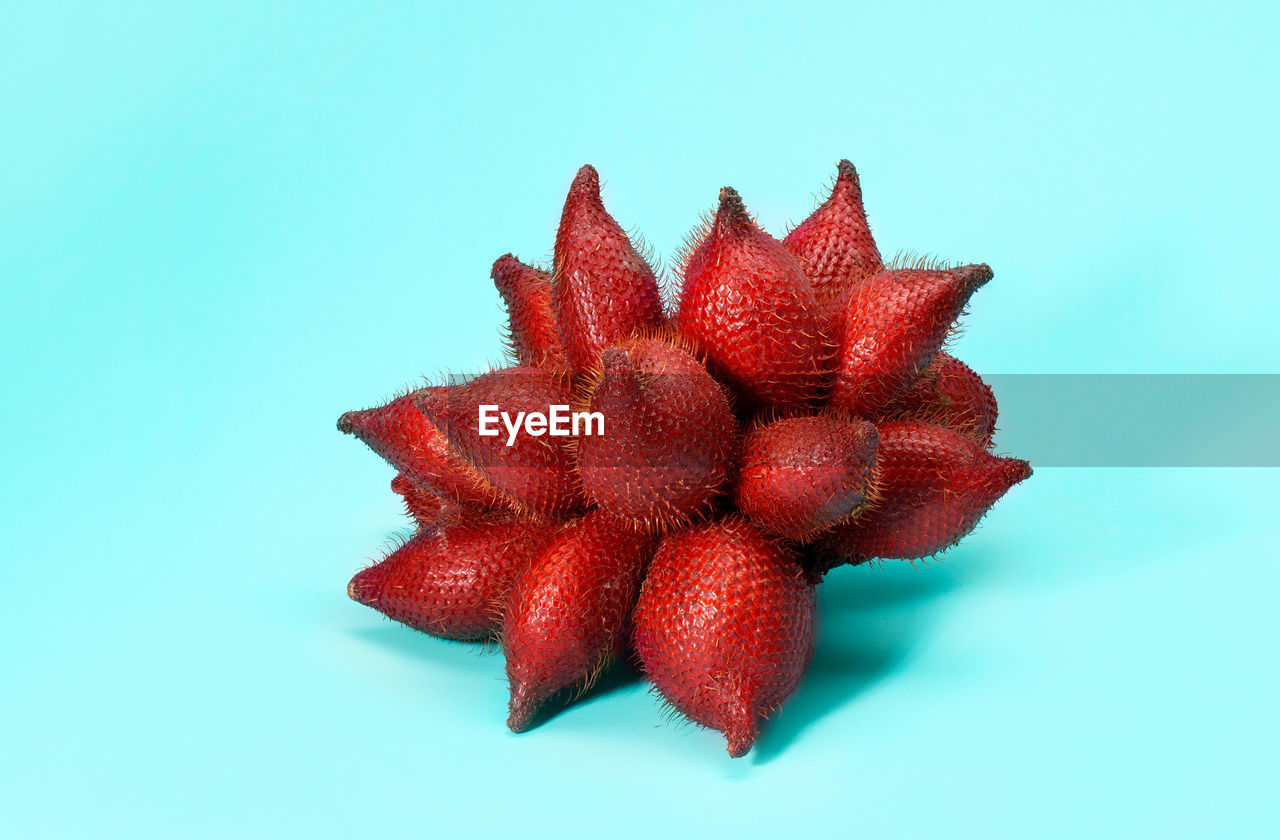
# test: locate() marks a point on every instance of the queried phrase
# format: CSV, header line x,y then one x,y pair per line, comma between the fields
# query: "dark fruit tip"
x,y
732,211
973,276
739,744
731,201
347,422
846,184
522,707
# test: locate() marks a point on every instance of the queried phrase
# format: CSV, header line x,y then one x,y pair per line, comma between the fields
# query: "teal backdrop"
x,y
222,225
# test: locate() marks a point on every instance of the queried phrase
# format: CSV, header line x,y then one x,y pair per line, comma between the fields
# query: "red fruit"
x,y
951,395
669,438
526,291
803,475
421,504
746,303
724,626
603,289
835,247
452,580
935,484
534,474
417,448
569,613
896,322
808,338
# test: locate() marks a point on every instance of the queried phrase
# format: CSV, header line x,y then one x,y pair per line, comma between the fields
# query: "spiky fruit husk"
x,y
418,448
531,321
951,395
935,485
724,626
897,321
670,435
535,475
603,289
569,612
451,580
803,475
835,247
421,504
747,305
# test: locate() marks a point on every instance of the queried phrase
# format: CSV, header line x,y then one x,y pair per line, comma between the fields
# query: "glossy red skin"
x,y
803,475
951,395
602,288
935,485
535,475
896,322
418,448
835,247
526,292
746,304
670,435
723,621
724,626
452,580
569,612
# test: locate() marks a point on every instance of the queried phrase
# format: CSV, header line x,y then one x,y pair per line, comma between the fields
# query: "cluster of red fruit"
x,y
793,412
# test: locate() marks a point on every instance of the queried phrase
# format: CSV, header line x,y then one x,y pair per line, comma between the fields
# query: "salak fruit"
x,y
790,410
724,626
569,612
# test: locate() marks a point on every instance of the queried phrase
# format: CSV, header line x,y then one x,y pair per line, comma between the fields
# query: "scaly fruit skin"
x,y
897,322
535,476
418,448
526,292
802,342
724,626
802,475
935,484
569,612
421,504
747,305
452,580
951,395
669,439
602,288
835,247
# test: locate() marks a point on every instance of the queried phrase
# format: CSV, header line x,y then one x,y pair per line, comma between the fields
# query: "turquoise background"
x,y
220,227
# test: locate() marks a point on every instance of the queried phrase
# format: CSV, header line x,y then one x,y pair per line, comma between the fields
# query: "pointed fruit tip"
x,y
845,170
974,276
522,707
742,728
732,209
740,743
347,422
1017,470
586,184
503,266
361,589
